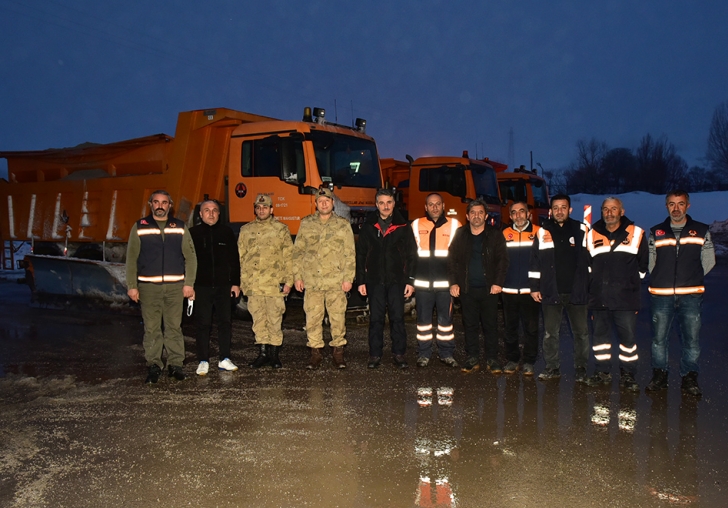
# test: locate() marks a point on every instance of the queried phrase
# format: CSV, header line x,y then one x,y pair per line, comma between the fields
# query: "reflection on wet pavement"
x,y
78,428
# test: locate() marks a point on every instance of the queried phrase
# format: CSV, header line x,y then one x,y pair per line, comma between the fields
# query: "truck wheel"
x,y
92,252
47,249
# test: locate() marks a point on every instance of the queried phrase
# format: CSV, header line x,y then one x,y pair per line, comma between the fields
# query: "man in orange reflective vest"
x,y
618,252
434,233
681,253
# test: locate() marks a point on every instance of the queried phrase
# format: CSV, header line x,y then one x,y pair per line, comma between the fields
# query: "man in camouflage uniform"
x,y
325,265
266,250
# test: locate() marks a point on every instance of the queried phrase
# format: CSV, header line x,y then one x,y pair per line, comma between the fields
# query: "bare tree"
x,y
556,181
619,170
586,174
717,154
659,167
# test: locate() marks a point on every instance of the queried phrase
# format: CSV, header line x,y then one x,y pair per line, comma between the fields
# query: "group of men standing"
x,y
562,266
166,262
599,270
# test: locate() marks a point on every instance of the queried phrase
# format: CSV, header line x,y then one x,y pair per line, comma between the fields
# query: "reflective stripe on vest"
x,y
693,290
599,244
423,237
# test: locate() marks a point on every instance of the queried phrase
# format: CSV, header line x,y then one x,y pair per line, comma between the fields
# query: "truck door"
x,y
274,165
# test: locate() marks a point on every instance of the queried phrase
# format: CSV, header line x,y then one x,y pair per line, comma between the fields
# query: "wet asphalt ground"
x,y
79,428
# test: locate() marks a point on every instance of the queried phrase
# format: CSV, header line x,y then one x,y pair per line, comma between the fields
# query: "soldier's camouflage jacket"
x,y
324,253
266,257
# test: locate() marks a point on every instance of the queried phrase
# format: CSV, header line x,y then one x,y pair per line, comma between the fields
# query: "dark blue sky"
x,y
430,77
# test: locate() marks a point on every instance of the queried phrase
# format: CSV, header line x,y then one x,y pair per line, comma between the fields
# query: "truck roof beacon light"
x,y
465,154
361,125
307,114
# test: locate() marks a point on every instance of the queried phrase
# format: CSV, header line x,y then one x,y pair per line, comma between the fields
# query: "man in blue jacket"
x,y
386,257
559,278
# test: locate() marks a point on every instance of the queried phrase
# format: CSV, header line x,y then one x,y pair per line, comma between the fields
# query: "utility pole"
x,y
511,150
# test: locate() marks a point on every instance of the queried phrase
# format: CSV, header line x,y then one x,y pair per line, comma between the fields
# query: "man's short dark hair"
x,y
384,192
561,197
678,193
162,192
510,208
477,202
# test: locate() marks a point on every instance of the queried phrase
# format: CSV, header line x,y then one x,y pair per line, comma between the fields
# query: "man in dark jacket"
x,y
619,257
518,306
218,279
477,267
681,254
559,279
386,257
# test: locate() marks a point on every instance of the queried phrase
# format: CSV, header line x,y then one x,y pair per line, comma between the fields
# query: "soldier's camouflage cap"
x,y
323,191
263,199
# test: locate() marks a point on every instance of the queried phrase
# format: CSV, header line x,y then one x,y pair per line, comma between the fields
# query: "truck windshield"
x,y
450,179
486,184
540,194
346,161
514,190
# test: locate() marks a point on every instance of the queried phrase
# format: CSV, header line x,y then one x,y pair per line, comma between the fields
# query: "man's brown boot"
x,y
315,360
338,356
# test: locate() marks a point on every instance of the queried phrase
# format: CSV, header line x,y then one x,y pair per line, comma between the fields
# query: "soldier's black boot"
x,y
153,374
273,354
262,359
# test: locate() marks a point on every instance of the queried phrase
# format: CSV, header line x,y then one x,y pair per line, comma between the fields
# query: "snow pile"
x,y
719,231
20,250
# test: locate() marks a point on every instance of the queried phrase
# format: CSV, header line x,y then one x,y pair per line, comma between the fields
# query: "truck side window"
x,y
540,196
281,157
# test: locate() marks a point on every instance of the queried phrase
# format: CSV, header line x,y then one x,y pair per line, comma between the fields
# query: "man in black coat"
x,y
477,266
386,257
218,280
559,280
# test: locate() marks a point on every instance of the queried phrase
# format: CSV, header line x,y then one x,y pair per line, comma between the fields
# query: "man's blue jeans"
x,y
687,309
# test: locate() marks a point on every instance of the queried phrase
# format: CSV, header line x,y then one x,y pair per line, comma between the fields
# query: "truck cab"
x,y
458,180
290,160
526,186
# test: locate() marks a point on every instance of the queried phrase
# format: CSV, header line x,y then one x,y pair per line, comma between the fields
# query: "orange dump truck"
x,y
77,205
458,180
